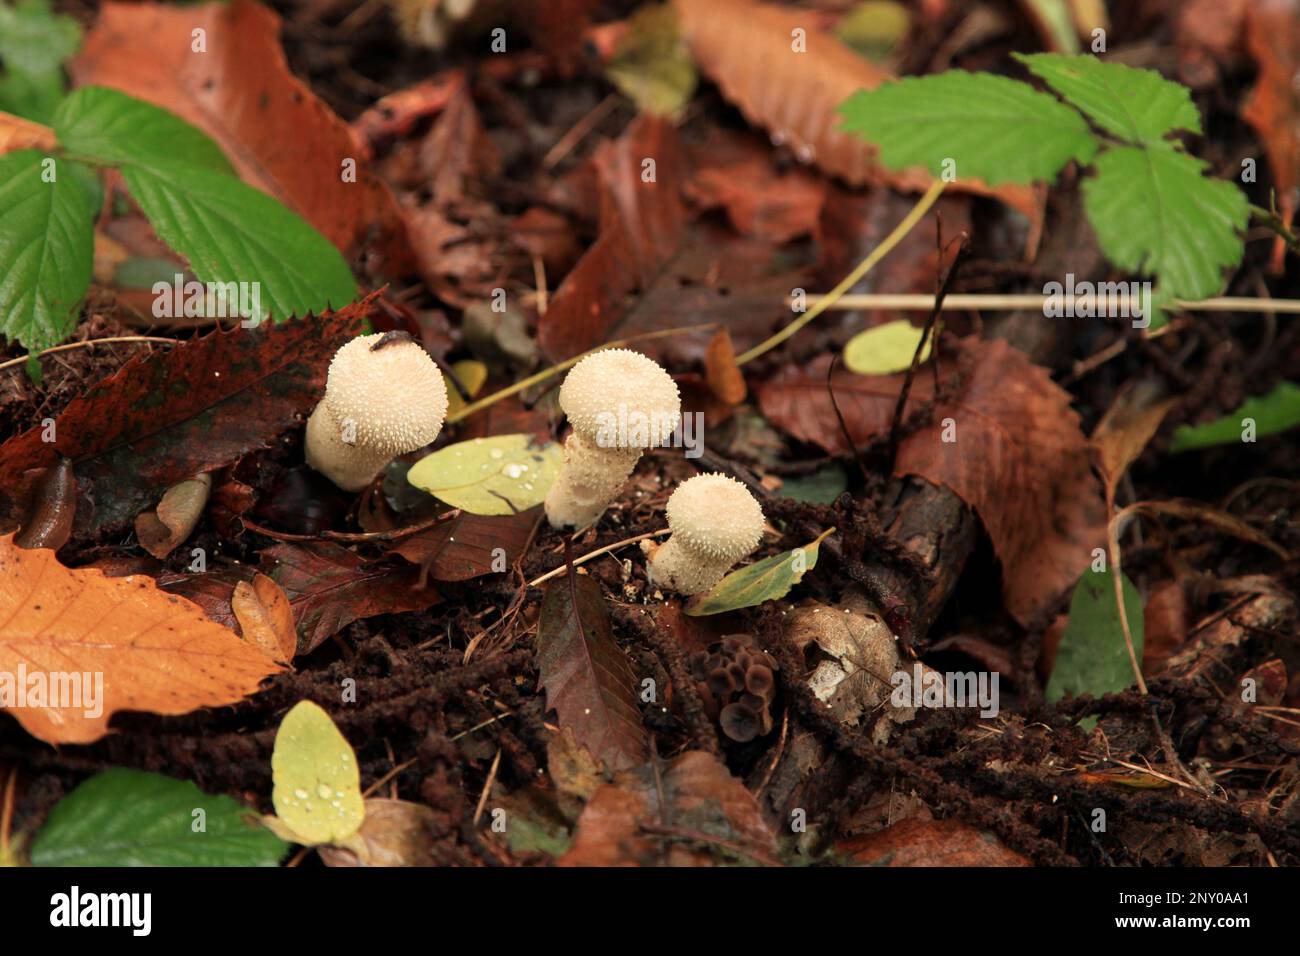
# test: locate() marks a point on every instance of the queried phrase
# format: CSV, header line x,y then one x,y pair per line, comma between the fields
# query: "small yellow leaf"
x,y
885,349
472,374
317,784
501,475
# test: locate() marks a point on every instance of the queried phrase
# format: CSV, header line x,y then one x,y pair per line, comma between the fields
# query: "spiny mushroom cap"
x,y
390,389
621,399
716,517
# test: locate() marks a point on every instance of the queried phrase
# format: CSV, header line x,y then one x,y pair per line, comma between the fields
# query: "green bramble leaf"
x,y
766,580
34,42
316,780
994,128
501,475
109,127
1092,657
1274,412
231,232
1155,212
1139,106
131,818
46,246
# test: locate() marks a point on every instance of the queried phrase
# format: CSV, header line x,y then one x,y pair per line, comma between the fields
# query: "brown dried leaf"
x,y
162,529
917,842
748,49
587,678
640,229
462,548
18,133
240,91
739,175
329,587
265,617
722,372
144,649
1018,458
1273,38
1126,428
394,833
700,800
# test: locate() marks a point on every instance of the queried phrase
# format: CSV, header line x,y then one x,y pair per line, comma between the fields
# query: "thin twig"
x,y
1034,301
22,359
556,572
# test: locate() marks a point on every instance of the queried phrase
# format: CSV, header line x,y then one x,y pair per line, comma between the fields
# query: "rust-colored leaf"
x,y
329,587
722,372
240,91
917,842
162,529
752,52
168,416
740,175
587,678
689,811
18,133
1273,38
123,643
1007,443
466,547
641,221
265,617
1124,431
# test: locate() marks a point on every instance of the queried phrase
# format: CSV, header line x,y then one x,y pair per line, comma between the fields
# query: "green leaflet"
x,y
231,232
500,475
1154,212
885,349
1274,412
34,42
651,64
131,818
1093,657
1139,106
766,580
109,127
46,246
317,783
995,129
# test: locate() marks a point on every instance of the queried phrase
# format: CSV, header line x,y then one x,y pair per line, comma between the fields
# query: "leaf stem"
x,y
853,278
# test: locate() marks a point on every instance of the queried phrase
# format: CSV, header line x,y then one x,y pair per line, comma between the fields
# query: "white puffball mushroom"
x,y
384,396
619,403
715,522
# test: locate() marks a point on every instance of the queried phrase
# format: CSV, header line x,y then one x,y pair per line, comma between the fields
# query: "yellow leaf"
x,y
317,784
472,374
885,349
501,475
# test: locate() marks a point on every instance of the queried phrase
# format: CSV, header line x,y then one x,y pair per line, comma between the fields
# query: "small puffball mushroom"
x,y
715,522
619,403
384,397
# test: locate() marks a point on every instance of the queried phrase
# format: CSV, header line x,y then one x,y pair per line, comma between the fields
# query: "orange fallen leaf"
x,y
18,133
722,372
265,616
76,647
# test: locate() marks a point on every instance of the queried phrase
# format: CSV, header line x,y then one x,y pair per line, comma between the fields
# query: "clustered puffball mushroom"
x,y
619,403
715,522
384,397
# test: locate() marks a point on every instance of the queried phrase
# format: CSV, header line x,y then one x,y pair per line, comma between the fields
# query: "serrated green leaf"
x,y
46,245
1140,106
994,128
651,64
1154,212
501,475
1276,411
885,349
131,818
34,42
766,580
1092,657
108,126
230,232
317,783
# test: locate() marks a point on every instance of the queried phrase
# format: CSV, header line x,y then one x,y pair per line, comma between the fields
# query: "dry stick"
x,y
81,345
556,369
556,572
1033,300
825,302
